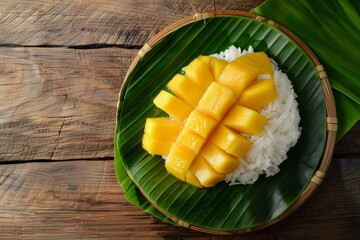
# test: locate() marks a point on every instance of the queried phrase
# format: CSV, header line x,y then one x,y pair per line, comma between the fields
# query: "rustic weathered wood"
x,y
350,143
59,103
76,22
82,199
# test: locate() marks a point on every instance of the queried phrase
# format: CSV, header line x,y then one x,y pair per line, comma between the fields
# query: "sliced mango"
x,y
173,106
206,59
198,71
204,172
192,179
230,141
217,66
176,172
245,120
259,60
185,89
216,101
190,140
156,147
258,95
179,158
221,161
200,123
162,129
237,77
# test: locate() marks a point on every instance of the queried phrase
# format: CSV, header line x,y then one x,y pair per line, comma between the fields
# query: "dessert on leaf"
x,y
214,109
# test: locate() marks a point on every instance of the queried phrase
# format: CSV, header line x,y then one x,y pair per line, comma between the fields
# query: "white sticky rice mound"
x,y
281,132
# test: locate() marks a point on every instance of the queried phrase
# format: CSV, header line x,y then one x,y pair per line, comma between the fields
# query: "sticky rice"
x,y
269,149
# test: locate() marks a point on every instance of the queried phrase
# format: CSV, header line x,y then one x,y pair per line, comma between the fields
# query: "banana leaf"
x,y
131,193
332,30
220,208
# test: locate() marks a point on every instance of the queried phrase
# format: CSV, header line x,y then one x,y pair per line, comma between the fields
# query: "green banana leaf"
x,y
131,193
331,29
222,207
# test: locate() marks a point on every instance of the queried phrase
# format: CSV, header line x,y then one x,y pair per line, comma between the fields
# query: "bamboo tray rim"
x,y
331,118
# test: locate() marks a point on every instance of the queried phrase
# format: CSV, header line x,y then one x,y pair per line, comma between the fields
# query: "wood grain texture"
x,y
58,103
350,143
82,199
76,22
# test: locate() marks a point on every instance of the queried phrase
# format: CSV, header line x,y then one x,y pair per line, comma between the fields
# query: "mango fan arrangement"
x,y
212,106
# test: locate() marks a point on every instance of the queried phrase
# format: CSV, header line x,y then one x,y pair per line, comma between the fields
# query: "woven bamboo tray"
x,y
331,119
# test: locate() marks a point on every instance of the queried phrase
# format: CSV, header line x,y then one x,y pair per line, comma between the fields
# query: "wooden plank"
x,y
82,199
350,143
59,103
77,22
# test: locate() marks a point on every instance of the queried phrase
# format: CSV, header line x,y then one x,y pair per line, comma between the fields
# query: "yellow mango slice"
x,y
180,157
258,95
176,172
217,66
156,147
162,129
216,101
200,123
221,161
206,59
258,59
185,89
190,140
237,77
205,173
190,178
198,71
244,120
230,141
173,106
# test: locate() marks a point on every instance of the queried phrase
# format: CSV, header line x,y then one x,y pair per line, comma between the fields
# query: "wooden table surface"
x,y
62,64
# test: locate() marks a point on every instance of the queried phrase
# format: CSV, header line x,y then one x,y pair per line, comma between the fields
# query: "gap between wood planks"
x,y
341,157
84,47
55,161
